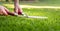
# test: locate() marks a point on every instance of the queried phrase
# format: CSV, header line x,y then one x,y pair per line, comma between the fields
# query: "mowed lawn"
x,y
13,23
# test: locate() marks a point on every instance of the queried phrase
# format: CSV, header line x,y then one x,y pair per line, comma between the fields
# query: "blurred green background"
x,y
13,23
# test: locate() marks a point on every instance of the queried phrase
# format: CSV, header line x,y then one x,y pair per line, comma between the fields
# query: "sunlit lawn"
x,y
13,23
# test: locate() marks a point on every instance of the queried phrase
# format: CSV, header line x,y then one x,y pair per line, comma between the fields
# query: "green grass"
x,y
40,3
47,3
12,23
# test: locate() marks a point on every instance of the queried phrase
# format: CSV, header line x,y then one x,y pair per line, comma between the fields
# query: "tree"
x,y
2,0
8,0
36,0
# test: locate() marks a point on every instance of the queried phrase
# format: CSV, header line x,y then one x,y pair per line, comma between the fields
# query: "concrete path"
x,y
28,6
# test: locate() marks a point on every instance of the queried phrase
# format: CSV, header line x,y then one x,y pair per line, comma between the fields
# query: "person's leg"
x,y
17,9
9,13
20,11
2,11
